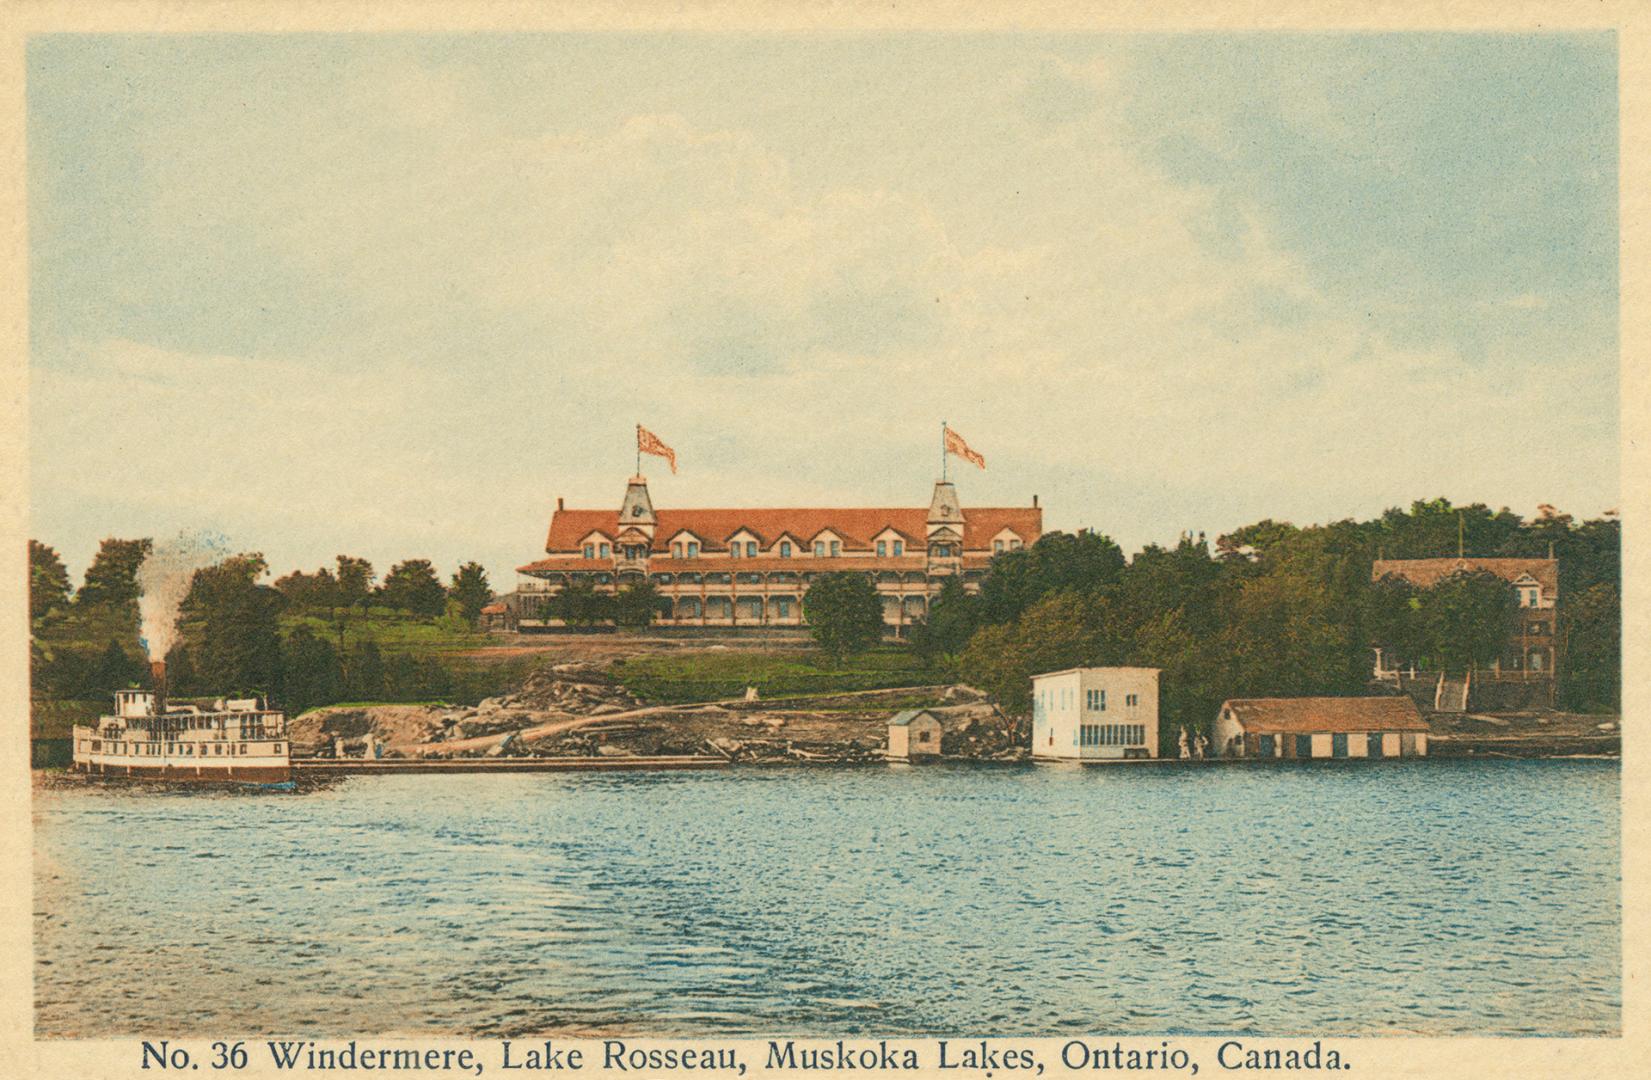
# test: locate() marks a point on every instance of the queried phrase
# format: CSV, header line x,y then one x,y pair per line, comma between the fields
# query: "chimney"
x,y
1034,502
558,502
157,675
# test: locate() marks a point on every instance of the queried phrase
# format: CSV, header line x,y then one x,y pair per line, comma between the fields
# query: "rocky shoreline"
x,y
576,710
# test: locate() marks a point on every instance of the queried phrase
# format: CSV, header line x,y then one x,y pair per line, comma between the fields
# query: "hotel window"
x,y
785,549
751,549
997,547
590,551
606,551
734,550
819,549
882,548
899,547
1132,700
693,549
1013,544
676,551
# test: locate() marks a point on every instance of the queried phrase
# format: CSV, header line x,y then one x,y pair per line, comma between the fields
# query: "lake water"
x,y
1434,897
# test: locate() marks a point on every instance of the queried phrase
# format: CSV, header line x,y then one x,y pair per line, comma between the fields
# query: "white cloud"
x,y
1122,343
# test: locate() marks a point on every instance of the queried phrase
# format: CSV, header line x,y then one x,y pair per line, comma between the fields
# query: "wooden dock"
x,y
383,766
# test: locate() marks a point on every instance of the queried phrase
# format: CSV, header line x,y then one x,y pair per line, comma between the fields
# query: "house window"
x,y
997,547
590,551
751,549
819,549
1132,699
785,549
782,608
923,736
836,549
899,547
1538,628
606,551
1529,597
734,550
882,548
676,551
1013,544
693,549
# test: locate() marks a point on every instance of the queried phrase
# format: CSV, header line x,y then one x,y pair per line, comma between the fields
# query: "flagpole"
x,y
639,449
942,451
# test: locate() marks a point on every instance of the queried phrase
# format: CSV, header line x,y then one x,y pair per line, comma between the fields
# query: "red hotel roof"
x,y
856,525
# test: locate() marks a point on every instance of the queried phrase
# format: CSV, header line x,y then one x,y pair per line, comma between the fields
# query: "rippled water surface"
x,y
1436,897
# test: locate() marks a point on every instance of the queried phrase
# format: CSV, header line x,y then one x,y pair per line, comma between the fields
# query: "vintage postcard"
x,y
736,545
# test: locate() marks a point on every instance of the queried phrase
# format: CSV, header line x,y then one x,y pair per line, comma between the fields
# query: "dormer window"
x,y
693,549
785,549
882,548
676,551
590,551
899,548
819,549
750,549
997,547
607,551
636,511
836,549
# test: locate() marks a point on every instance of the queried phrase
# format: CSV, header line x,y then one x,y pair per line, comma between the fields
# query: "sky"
x,y
392,296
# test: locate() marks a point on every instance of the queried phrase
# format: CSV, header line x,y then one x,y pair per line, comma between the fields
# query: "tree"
x,y
953,617
365,676
1466,618
1065,629
1392,620
49,585
637,604
235,643
116,670
844,613
112,579
414,587
1593,648
309,592
354,581
471,591
312,672
581,605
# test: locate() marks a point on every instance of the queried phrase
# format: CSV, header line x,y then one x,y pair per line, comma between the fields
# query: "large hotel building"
x,y
750,568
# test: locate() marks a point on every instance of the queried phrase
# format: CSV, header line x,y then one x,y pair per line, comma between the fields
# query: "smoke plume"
x,y
164,580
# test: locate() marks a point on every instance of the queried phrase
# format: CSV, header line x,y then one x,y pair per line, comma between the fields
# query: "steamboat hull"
x,y
192,774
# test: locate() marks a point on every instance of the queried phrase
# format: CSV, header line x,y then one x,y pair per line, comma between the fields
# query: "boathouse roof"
x,y
1306,715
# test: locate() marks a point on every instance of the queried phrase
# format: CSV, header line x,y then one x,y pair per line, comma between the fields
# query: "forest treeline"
x,y
1267,610
1276,610
306,639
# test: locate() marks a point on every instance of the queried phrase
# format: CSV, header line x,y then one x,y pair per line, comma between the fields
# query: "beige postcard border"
x,y
22,1056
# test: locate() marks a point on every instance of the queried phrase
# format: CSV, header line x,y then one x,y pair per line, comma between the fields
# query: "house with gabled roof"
x,y
1534,651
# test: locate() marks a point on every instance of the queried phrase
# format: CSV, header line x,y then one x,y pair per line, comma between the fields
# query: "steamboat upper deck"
x,y
237,740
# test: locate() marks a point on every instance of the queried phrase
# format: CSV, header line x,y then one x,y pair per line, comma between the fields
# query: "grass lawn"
x,y
395,631
667,678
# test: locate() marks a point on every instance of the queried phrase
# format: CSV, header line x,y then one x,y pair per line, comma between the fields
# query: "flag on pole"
x,y
956,445
649,443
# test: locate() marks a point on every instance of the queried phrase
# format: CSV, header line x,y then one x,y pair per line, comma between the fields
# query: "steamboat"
x,y
232,741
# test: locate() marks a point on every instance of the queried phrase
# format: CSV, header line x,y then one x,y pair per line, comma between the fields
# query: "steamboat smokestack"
x,y
157,674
